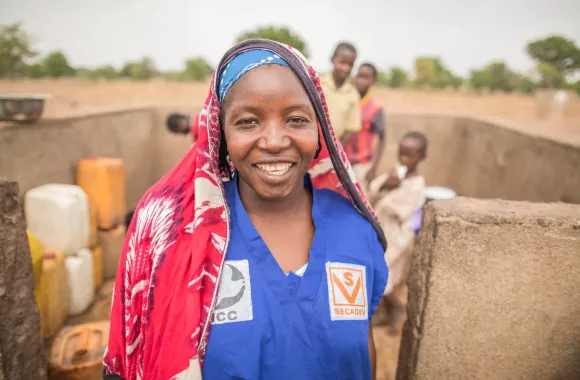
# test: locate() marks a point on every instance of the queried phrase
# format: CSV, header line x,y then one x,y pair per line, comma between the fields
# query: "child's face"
x,y
364,79
343,63
410,152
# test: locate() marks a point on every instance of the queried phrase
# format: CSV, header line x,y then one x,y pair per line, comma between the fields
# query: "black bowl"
x,y
23,108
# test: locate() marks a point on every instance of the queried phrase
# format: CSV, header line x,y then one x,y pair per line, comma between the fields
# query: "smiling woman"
x,y
265,206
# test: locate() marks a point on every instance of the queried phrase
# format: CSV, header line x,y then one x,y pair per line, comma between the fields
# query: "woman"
x,y
300,270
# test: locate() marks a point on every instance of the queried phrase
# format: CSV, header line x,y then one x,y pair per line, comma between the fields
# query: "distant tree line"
x,y
557,61
18,59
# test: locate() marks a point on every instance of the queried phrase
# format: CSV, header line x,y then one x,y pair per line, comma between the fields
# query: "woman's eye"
x,y
297,120
247,122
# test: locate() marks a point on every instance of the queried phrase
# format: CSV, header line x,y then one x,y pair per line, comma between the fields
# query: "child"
x,y
182,124
365,148
341,96
396,196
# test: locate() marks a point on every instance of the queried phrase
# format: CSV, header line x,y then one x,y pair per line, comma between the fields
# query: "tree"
x,y
83,72
197,69
398,77
35,71
557,51
496,76
382,79
479,79
280,34
56,65
15,50
425,70
107,72
550,76
174,75
456,81
526,84
144,69
502,78
445,78
431,72
574,87
126,70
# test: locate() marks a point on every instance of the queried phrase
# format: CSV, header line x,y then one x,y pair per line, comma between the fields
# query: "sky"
x,y
464,34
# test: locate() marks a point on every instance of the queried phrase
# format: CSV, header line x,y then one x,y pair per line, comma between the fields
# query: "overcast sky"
x,y
466,34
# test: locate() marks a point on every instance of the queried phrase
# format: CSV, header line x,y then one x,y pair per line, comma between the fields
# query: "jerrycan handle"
x,y
83,346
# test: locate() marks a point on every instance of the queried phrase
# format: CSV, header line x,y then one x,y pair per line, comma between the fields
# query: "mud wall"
x,y
489,159
477,158
494,292
48,152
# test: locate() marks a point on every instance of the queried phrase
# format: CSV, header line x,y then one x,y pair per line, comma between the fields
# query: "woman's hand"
x,y
393,181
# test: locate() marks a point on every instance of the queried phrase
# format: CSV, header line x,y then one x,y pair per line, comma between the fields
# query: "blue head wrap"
x,y
241,64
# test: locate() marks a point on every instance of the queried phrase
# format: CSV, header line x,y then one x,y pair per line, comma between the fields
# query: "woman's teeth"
x,y
275,169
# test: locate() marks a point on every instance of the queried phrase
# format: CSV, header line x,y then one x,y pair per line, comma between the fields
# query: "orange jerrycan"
x,y
93,225
103,179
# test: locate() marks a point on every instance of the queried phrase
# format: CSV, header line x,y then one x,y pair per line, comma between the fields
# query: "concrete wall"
x,y
494,293
34,155
474,157
485,159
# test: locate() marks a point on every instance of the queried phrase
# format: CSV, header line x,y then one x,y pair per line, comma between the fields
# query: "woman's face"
x,y
271,130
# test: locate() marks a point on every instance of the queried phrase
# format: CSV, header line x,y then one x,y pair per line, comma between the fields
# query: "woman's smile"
x,y
275,173
277,169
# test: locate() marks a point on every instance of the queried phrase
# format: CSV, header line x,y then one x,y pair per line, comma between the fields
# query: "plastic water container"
x,y
112,243
103,179
436,193
97,252
81,281
77,352
93,225
58,215
53,300
37,255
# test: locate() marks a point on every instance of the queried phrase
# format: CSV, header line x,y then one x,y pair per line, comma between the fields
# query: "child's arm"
x,y
404,201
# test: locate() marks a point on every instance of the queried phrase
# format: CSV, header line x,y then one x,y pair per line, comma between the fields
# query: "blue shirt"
x,y
270,325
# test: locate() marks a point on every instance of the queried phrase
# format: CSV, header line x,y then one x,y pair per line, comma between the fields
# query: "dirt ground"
x,y
73,96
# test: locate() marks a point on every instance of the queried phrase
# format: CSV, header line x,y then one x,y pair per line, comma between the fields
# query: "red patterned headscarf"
x,y
166,284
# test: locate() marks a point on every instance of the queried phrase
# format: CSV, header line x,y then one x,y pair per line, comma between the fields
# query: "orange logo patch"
x,y
347,291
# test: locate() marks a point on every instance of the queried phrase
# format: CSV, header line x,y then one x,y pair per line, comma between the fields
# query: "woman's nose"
x,y
275,137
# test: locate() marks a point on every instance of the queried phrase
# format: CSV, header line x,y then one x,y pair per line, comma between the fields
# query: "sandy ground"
x,y
73,96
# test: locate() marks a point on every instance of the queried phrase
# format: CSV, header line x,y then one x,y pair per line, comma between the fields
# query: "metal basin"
x,y
23,108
